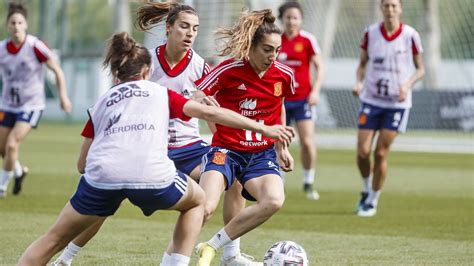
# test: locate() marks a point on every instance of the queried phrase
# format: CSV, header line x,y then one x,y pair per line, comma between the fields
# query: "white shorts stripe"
x,y
179,188
35,117
404,123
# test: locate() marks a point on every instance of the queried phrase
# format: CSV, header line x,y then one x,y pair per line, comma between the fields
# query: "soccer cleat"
x,y
241,259
361,202
19,181
60,262
367,210
206,254
311,193
3,192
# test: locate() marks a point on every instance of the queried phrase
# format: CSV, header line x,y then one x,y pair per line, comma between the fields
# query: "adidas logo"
x,y
242,87
248,104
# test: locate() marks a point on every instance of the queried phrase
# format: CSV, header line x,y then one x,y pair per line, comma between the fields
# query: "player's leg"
x,y
12,146
5,177
308,156
188,225
305,115
69,224
75,246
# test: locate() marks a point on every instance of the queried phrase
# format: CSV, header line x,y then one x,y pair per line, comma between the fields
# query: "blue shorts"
x,y
242,166
373,117
299,110
89,200
187,158
8,119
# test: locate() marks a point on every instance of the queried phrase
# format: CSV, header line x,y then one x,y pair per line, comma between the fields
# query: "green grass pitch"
x,y
425,215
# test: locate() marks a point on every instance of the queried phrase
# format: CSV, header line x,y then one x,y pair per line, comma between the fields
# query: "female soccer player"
x,y
131,121
253,84
176,65
21,67
300,50
384,82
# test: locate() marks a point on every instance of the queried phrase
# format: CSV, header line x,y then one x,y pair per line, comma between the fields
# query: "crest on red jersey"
x,y
277,89
219,158
299,47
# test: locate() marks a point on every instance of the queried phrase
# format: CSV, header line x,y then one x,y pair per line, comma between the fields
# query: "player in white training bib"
x,y
21,66
390,64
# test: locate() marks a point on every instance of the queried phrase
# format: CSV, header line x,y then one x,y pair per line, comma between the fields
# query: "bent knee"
x,y
363,153
12,145
271,206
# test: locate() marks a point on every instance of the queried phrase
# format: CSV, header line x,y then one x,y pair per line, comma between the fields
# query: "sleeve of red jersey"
x,y
176,104
314,47
364,43
416,46
289,85
42,52
88,131
207,68
209,84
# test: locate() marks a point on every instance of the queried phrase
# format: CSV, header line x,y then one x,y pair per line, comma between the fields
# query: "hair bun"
x,y
268,16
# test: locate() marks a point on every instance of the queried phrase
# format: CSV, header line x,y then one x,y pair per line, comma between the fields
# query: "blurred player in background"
x,y
255,85
300,50
130,121
384,83
21,66
176,65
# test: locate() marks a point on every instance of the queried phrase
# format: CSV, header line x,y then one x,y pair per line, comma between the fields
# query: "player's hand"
x,y
66,105
285,160
209,100
403,92
313,98
285,134
357,89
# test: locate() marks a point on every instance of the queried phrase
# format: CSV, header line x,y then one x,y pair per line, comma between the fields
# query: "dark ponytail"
x,y
126,57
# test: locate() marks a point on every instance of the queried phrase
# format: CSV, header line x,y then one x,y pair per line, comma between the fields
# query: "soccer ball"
x,y
285,253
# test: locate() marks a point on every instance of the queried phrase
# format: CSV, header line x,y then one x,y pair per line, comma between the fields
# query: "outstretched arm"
x,y
61,85
230,118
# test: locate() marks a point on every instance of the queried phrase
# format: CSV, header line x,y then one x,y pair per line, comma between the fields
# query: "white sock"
x,y
166,260
219,240
18,169
179,260
231,249
308,176
373,197
70,252
6,176
367,183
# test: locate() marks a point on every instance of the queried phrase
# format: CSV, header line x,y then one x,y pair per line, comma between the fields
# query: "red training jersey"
x,y
238,87
297,53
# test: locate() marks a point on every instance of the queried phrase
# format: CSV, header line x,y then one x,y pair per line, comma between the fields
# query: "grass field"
x,y
425,216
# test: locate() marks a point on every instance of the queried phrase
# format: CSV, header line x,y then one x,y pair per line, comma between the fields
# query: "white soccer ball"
x,y
285,253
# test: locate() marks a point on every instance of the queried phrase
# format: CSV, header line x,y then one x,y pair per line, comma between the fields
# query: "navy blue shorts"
x,y
242,166
375,118
299,110
89,200
8,119
189,157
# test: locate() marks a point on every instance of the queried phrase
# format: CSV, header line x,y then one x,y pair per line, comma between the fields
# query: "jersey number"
x,y
382,87
15,95
249,135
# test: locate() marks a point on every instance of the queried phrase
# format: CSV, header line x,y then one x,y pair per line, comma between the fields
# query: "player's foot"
x,y
367,210
4,186
60,262
19,181
3,192
205,253
241,259
361,202
311,193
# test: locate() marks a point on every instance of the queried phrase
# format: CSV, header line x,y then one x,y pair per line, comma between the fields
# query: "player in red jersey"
x,y
129,123
390,64
176,65
21,67
300,51
255,85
